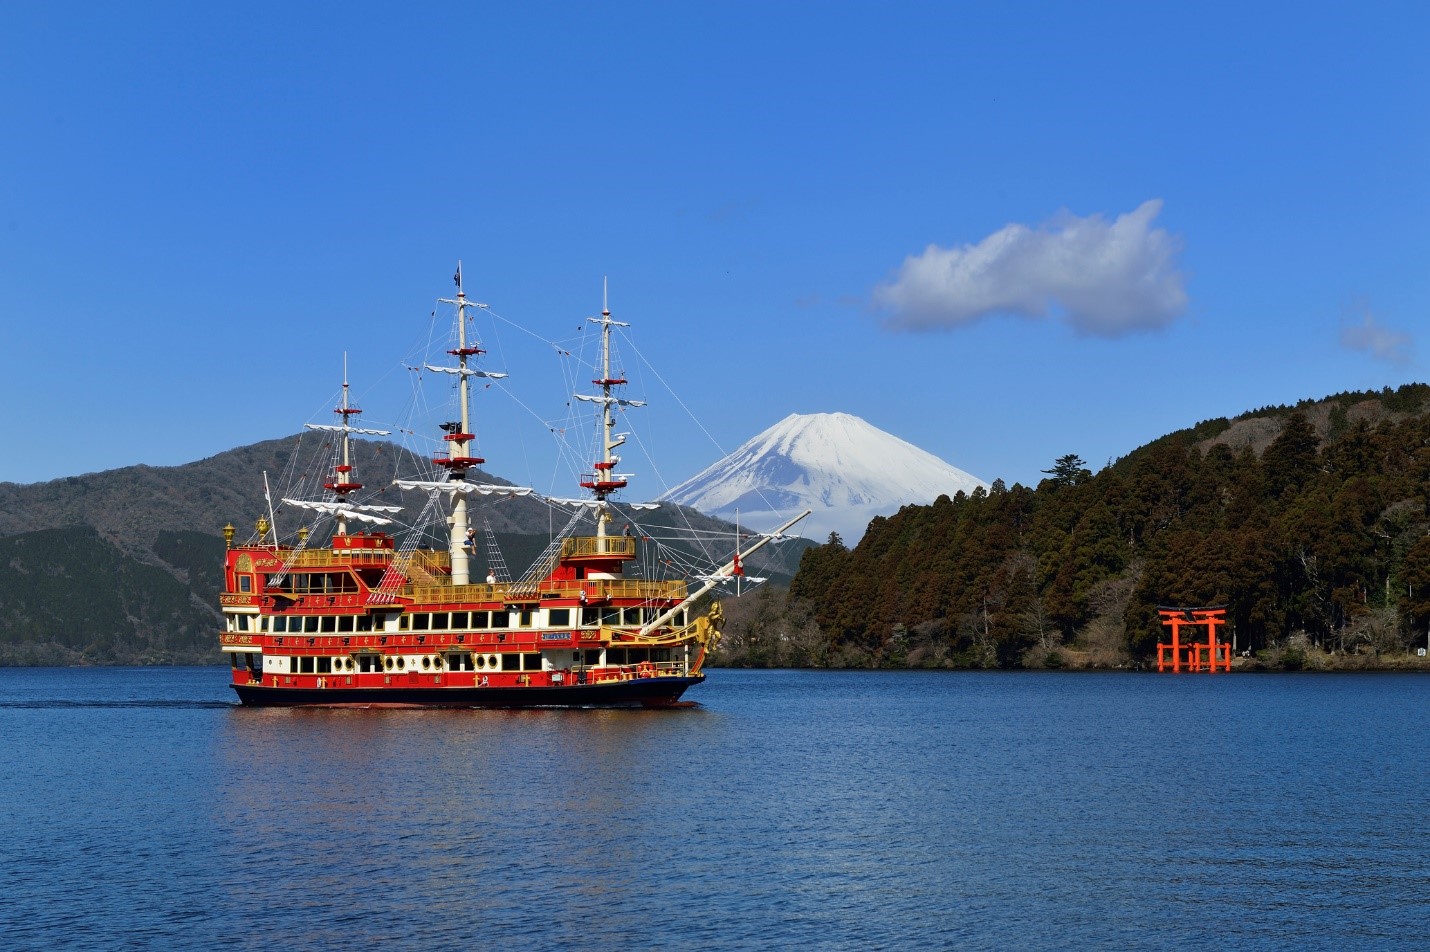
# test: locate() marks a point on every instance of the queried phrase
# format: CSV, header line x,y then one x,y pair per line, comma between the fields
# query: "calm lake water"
x,y
839,810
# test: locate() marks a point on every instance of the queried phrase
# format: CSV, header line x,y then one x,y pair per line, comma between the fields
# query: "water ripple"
x,y
833,810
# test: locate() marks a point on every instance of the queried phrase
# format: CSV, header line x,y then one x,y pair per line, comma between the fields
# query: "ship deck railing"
x,y
327,558
598,546
597,591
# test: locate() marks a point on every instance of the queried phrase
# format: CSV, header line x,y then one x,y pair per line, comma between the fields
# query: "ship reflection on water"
x,y
500,809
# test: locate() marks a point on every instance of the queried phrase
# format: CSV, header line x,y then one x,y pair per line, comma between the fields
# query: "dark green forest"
x,y
1309,523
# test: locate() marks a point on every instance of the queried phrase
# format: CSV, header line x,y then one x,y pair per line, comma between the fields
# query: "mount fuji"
x,y
843,468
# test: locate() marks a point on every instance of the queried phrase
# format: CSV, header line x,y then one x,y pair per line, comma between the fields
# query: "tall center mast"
x,y
605,480
459,458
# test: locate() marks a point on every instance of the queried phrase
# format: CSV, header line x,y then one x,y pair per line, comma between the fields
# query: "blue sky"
x,y
1003,232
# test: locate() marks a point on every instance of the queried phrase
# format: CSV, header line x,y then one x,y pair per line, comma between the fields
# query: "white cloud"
x,y
1382,343
1104,279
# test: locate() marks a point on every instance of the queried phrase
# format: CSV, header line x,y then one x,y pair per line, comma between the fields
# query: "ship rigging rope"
x,y
668,556
575,357
770,507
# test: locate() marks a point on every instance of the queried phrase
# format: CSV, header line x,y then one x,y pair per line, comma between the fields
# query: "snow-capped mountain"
x,y
843,468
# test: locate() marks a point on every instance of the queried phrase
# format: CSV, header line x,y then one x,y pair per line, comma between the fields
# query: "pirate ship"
x,y
358,609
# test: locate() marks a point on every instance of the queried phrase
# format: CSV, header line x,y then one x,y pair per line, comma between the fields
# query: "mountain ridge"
x,y
844,468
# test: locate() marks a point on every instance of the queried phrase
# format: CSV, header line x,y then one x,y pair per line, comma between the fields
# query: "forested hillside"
x,y
1309,522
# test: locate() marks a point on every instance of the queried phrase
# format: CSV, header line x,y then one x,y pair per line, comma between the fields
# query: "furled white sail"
x,y
331,428
462,487
358,513
466,372
598,504
608,400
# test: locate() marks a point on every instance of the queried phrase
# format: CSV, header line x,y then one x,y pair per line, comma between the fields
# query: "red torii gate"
x,y
1210,655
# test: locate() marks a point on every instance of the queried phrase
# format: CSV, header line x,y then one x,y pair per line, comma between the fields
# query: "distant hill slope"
x,y
1310,522
123,565
844,469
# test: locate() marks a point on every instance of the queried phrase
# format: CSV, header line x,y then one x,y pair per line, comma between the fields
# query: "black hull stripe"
x,y
644,692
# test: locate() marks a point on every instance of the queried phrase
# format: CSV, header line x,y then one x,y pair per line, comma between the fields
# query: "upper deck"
x,y
426,575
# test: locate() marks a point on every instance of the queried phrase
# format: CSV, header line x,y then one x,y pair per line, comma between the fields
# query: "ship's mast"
x,y
605,480
459,458
344,482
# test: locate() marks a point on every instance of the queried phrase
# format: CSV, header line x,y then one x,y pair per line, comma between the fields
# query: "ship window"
x,y
678,619
615,656
242,622
330,623
638,656
501,619
511,662
459,621
439,621
590,616
404,622
310,624
388,663
526,619
426,662
245,583
367,663
345,623
325,665
660,654
401,663
531,662
421,621
632,616
558,617
364,623
611,616
460,661
593,655
280,623
480,620
305,664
